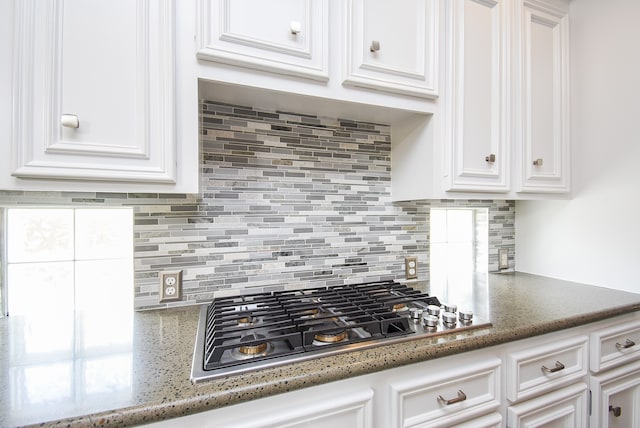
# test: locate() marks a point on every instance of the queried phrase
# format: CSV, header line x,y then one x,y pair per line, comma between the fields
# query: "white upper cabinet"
x,y
544,86
286,37
392,46
94,91
476,130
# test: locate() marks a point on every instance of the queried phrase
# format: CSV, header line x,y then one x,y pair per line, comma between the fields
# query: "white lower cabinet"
x,y
566,408
441,398
316,407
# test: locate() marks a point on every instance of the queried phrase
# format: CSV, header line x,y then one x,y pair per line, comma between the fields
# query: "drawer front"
x,y
538,369
566,408
493,420
446,398
615,345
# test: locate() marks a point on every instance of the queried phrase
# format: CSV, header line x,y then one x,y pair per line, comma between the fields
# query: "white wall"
x,y
595,237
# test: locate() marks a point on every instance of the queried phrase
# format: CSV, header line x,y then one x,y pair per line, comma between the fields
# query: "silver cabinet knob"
x,y
537,162
491,158
69,121
375,46
617,411
295,27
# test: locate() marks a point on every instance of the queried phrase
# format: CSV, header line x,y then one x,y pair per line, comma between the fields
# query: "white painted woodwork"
x,y
313,408
286,37
493,420
414,401
607,345
477,125
619,387
68,60
526,377
406,33
544,45
566,408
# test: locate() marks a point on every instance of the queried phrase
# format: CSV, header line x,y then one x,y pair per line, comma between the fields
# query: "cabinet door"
x,y
94,90
392,46
615,398
477,128
566,408
545,99
286,37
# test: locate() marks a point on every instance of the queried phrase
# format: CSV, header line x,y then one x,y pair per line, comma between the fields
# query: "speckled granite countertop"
x,y
143,373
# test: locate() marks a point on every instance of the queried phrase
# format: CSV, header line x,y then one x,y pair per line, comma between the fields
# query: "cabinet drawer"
x,y
493,420
541,368
564,408
448,397
615,345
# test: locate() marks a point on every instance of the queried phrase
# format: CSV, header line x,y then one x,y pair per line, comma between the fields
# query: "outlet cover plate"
x,y
170,286
411,267
503,258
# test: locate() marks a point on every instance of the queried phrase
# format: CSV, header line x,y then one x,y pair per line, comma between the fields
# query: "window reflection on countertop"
x,y
63,363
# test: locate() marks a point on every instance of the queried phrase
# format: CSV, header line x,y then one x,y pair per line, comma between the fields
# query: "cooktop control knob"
x,y
449,318
466,316
430,321
415,314
433,310
450,307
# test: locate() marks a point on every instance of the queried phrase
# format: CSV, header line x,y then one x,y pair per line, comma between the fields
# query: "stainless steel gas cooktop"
x,y
251,332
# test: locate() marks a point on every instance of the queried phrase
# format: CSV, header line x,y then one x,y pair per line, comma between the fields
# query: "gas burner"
x,y
309,313
400,307
247,321
329,336
253,349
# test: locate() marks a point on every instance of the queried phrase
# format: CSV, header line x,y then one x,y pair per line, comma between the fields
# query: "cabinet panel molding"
x,y
545,99
398,56
477,128
129,135
288,38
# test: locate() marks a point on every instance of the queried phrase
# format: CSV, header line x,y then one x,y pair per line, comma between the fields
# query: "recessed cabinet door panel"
x,y
286,37
392,46
94,90
477,129
566,408
545,157
615,397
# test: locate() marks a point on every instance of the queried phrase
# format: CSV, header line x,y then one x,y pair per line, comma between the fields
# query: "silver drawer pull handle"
x,y
461,397
627,344
559,366
617,411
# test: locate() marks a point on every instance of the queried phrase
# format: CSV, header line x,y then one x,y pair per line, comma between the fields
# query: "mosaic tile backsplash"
x,y
286,201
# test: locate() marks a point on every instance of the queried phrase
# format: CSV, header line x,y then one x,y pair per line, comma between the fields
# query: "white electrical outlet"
x,y
170,286
410,267
503,258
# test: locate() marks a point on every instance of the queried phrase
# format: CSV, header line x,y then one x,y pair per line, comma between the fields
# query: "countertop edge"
x,y
153,412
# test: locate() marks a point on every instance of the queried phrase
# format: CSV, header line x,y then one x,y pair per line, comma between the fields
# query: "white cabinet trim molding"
x,y
48,154
554,177
360,71
308,59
